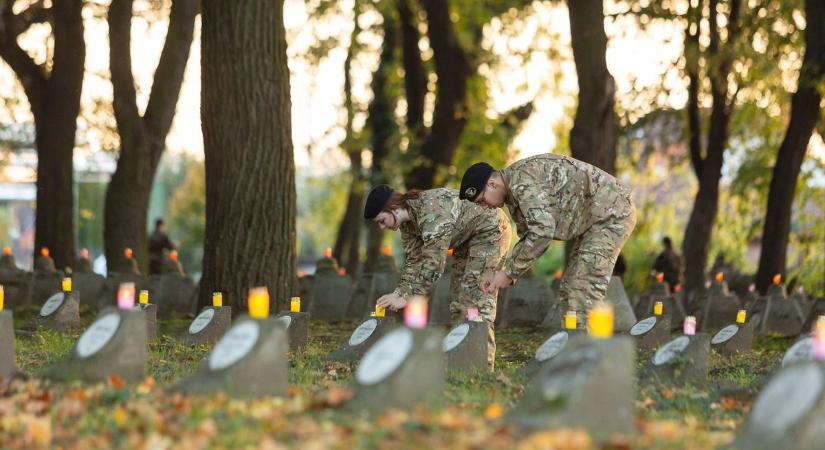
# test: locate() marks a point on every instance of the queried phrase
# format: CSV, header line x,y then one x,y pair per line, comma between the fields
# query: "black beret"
x,y
474,180
377,200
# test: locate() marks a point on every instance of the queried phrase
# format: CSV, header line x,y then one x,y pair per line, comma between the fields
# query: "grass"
x,y
39,413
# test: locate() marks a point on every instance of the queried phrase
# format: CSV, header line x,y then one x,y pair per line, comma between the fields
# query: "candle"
x,y
380,311
143,297
126,296
677,288
558,274
295,304
342,271
720,277
660,277
387,250
657,308
751,288
570,320
689,327
777,279
258,303
217,299
7,251
820,324
415,314
328,253
472,314
173,255
741,316
44,252
84,254
127,252
2,298
600,321
818,349
66,285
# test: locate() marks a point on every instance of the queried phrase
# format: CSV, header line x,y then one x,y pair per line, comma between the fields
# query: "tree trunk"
x,y
805,110
593,137
450,115
142,139
415,77
250,170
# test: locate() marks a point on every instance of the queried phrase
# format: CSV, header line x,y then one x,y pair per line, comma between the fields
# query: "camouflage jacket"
x,y
439,221
556,197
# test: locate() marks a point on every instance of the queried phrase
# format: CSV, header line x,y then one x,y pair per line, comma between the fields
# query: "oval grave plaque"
x,y
97,335
363,332
455,337
787,398
643,326
383,358
670,350
52,304
552,346
286,321
725,334
201,321
800,351
236,344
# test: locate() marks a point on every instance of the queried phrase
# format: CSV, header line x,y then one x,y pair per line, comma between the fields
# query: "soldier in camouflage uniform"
x,y
431,222
557,197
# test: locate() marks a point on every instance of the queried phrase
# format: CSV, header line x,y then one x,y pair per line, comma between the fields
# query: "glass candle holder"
x,y
126,296
66,284
415,314
380,311
818,347
217,299
741,316
258,303
600,321
658,308
570,320
143,297
472,314
295,304
2,298
689,327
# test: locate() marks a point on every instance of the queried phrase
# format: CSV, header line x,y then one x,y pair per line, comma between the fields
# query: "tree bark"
x,y
593,137
142,138
805,110
250,171
453,68
415,77
54,97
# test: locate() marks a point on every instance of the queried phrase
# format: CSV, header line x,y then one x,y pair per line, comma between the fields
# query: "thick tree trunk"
x,y
415,77
805,110
250,171
593,137
142,139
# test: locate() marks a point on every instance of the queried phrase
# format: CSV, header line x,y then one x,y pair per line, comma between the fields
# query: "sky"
x,y
635,58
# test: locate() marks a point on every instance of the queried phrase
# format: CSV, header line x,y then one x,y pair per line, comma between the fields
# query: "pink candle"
x,y
690,326
818,348
415,314
126,296
472,314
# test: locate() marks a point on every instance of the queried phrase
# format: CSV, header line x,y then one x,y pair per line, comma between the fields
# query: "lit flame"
x,y
777,279
328,253
128,253
44,252
720,277
7,250
660,277
387,250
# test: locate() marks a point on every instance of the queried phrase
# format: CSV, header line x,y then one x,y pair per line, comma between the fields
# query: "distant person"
x,y
669,263
158,243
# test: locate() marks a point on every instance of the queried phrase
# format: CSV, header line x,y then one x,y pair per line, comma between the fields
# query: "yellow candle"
x,y
67,285
658,307
295,304
217,299
570,320
2,298
380,311
258,303
143,297
741,316
600,321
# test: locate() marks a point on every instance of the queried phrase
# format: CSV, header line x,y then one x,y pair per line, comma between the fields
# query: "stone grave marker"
x,y
465,346
801,350
209,325
403,368
817,310
16,283
625,318
150,313
60,312
789,412
589,385
777,313
681,360
718,306
439,306
8,364
548,350
364,336
174,292
526,303
734,338
658,291
88,284
327,265
114,344
651,332
46,279
330,297
805,304
297,328
249,361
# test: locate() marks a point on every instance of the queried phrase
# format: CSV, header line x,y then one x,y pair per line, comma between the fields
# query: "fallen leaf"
x,y
493,411
114,381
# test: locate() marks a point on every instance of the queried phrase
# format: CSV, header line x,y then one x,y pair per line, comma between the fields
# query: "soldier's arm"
x,y
412,262
436,230
541,226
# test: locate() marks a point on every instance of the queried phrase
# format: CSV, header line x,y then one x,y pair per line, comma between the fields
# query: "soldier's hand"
x,y
499,280
392,301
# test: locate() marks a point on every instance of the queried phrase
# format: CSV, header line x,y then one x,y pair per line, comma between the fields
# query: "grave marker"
x,y
734,338
777,313
17,283
364,336
681,360
465,346
651,332
61,311
211,323
616,294
527,303
8,365
175,293
718,306
330,297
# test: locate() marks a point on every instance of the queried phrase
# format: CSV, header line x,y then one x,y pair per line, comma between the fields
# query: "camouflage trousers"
x,y
592,258
474,262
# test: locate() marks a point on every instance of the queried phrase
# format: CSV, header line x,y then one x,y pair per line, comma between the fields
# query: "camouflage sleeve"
x,y
541,226
436,230
412,262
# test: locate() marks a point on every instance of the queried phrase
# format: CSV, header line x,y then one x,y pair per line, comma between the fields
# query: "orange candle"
x,y
127,252
44,252
660,277
720,277
328,253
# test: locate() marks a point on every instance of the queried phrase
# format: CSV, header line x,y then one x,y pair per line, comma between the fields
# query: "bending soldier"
x,y
431,222
557,197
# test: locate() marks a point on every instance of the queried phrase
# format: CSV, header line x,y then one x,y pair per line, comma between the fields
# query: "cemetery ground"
x,y
36,413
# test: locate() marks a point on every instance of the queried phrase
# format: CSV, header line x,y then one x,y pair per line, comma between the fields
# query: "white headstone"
x,y
801,351
643,326
98,335
787,398
363,332
285,320
52,304
455,337
236,344
671,349
552,346
201,321
725,334
384,357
